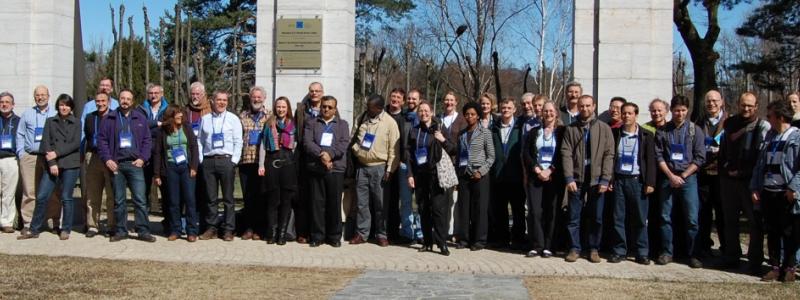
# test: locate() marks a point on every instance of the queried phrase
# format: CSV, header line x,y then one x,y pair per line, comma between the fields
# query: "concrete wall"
x,y
338,51
36,48
635,50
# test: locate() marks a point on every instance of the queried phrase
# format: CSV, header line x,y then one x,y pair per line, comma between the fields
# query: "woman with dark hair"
x,y
276,163
546,184
175,160
60,146
475,158
425,147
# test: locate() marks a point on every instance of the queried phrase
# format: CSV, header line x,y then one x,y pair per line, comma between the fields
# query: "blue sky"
x,y
96,19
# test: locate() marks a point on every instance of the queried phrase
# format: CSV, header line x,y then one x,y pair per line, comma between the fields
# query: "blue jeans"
x,y
67,178
408,227
180,186
594,206
132,177
630,203
688,196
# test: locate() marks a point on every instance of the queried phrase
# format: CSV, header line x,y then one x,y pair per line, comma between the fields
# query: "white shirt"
x,y
230,126
448,120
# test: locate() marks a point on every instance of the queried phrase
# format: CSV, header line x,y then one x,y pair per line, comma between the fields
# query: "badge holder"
x,y
6,142
326,140
422,156
368,140
217,140
254,137
676,152
37,134
125,140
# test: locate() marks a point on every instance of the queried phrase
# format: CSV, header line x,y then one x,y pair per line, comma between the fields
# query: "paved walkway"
x,y
365,256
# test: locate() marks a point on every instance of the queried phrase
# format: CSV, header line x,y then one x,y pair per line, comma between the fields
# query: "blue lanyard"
x,y
545,140
37,116
257,118
625,144
683,135
122,122
221,127
508,136
424,138
328,127
465,144
3,127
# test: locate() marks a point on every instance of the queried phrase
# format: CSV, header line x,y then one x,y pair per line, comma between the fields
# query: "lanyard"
x,y
180,141
222,125
3,128
465,144
122,122
777,142
38,112
424,138
510,129
328,127
257,118
94,130
625,144
683,135
545,139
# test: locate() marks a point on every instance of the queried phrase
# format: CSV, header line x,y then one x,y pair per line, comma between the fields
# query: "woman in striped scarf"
x,y
277,166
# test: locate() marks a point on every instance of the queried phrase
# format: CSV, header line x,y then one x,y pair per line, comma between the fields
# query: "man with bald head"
x,y
31,163
9,171
708,177
739,150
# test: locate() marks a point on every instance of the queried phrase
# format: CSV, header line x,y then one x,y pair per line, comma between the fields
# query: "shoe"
x,y
663,259
228,236
356,240
772,275
118,237
383,242
24,230
90,233
335,244
63,236
444,251
257,237
191,238
788,275
281,241
614,259
8,229
269,241
28,235
247,235
695,263
461,245
546,253
313,244
210,233
172,237
426,248
302,240
594,257
477,247
146,237
532,253
572,256
643,260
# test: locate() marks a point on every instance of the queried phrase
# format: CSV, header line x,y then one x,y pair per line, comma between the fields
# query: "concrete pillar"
x,y
634,58
37,47
338,51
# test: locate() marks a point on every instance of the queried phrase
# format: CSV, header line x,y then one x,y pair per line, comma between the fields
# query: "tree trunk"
x,y
130,53
176,56
704,58
118,77
161,39
146,46
496,67
187,54
115,48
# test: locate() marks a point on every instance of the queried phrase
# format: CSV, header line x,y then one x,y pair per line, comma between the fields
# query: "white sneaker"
x,y
547,253
532,253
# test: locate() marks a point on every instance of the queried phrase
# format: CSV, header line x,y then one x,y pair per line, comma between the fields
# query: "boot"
x,y
280,234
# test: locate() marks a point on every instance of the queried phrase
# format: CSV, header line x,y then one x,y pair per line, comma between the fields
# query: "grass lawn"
x,y
601,288
40,277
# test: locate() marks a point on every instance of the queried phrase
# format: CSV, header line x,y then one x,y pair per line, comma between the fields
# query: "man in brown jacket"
x,y
587,176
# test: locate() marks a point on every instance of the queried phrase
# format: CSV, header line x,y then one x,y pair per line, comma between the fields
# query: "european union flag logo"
x,y
299,25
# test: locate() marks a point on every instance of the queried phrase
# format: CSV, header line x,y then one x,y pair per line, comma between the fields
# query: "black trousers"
x,y
473,209
326,205
149,173
710,213
544,199
219,171
433,207
280,187
391,199
505,193
254,205
783,229
301,207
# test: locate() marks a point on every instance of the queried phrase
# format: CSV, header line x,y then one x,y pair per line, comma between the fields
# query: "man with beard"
x,y
253,121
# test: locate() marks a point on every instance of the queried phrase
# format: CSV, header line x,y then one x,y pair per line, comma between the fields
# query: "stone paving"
x,y
413,285
365,256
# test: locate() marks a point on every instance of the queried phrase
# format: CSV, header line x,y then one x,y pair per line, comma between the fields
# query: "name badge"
x,y
125,140
5,142
217,140
676,152
422,156
546,154
626,163
37,134
178,156
254,137
327,139
463,158
366,143
196,128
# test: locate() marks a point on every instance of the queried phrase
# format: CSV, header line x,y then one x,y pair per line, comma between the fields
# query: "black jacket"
x,y
64,137
531,153
646,157
160,149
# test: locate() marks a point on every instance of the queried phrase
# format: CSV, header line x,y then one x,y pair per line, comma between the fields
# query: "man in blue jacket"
x,y
153,107
125,146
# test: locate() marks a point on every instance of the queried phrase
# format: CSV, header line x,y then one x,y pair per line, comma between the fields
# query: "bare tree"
x,y
161,39
116,46
176,57
118,75
146,45
131,38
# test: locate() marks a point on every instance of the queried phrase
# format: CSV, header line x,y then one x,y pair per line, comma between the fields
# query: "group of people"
x,y
575,182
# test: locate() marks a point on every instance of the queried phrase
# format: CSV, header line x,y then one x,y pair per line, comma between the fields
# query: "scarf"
x,y
279,135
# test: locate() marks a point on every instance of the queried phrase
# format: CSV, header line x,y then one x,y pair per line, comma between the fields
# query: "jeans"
x,y
594,206
688,196
132,177
631,205
67,178
181,187
408,228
